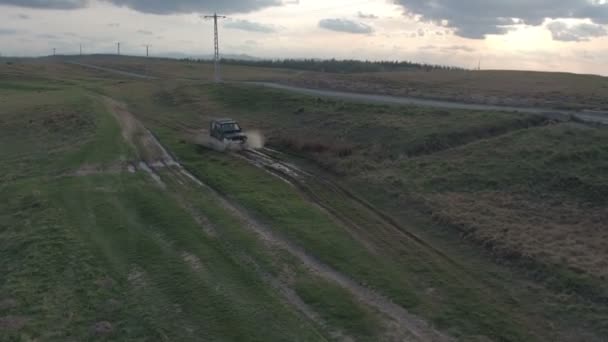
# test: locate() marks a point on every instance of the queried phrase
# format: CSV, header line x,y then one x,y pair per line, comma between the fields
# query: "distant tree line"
x,y
339,66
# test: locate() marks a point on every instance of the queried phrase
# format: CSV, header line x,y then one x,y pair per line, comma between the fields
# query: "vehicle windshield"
x,y
231,127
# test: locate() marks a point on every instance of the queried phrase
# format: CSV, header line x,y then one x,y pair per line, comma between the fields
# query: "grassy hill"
x,y
92,249
474,225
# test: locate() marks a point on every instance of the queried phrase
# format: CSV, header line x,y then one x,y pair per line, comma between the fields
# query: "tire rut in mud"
x,y
299,178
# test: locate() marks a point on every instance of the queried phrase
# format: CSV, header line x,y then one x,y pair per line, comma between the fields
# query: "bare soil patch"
x,y
193,261
140,138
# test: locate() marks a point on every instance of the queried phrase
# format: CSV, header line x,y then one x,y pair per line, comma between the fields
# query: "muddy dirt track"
x,y
158,163
267,159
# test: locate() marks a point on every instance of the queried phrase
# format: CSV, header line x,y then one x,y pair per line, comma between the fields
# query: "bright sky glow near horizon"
x,y
549,35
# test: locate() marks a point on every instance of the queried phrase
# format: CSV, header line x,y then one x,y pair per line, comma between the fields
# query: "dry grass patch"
x,y
511,225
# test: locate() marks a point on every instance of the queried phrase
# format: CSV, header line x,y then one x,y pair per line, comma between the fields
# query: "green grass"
x,y
570,159
298,220
281,207
410,155
341,311
81,250
50,133
77,251
480,298
77,232
333,303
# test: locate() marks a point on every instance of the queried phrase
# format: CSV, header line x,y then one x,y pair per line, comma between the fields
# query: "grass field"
x,y
519,184
289,120
498,217
91,251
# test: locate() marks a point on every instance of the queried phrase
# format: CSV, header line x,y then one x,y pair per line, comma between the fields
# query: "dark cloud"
x,y
50,4
196,6
156,6
478,18
367,15
251,26
23,16
345,25
575,33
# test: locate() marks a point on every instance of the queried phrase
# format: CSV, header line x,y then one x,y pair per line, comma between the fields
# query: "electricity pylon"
x,y
216,55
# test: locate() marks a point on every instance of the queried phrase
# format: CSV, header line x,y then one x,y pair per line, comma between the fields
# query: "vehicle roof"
x,y
224,121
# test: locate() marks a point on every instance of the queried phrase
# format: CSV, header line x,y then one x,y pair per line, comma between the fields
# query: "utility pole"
x,y
216,55
147,50
81,49
118,48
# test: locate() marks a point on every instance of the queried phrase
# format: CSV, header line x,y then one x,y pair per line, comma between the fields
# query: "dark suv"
x,y
227,130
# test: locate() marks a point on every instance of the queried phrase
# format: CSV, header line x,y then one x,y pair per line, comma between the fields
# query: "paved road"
x,y
588,116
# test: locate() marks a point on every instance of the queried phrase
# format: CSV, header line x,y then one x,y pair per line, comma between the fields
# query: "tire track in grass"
x,y
281,287
410,327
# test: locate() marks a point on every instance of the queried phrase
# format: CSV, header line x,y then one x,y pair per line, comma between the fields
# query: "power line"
x,y
216,55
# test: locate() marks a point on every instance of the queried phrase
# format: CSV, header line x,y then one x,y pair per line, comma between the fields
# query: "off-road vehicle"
x,y
227,131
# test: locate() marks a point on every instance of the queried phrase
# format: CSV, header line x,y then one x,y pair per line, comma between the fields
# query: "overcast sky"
x,y
555,35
